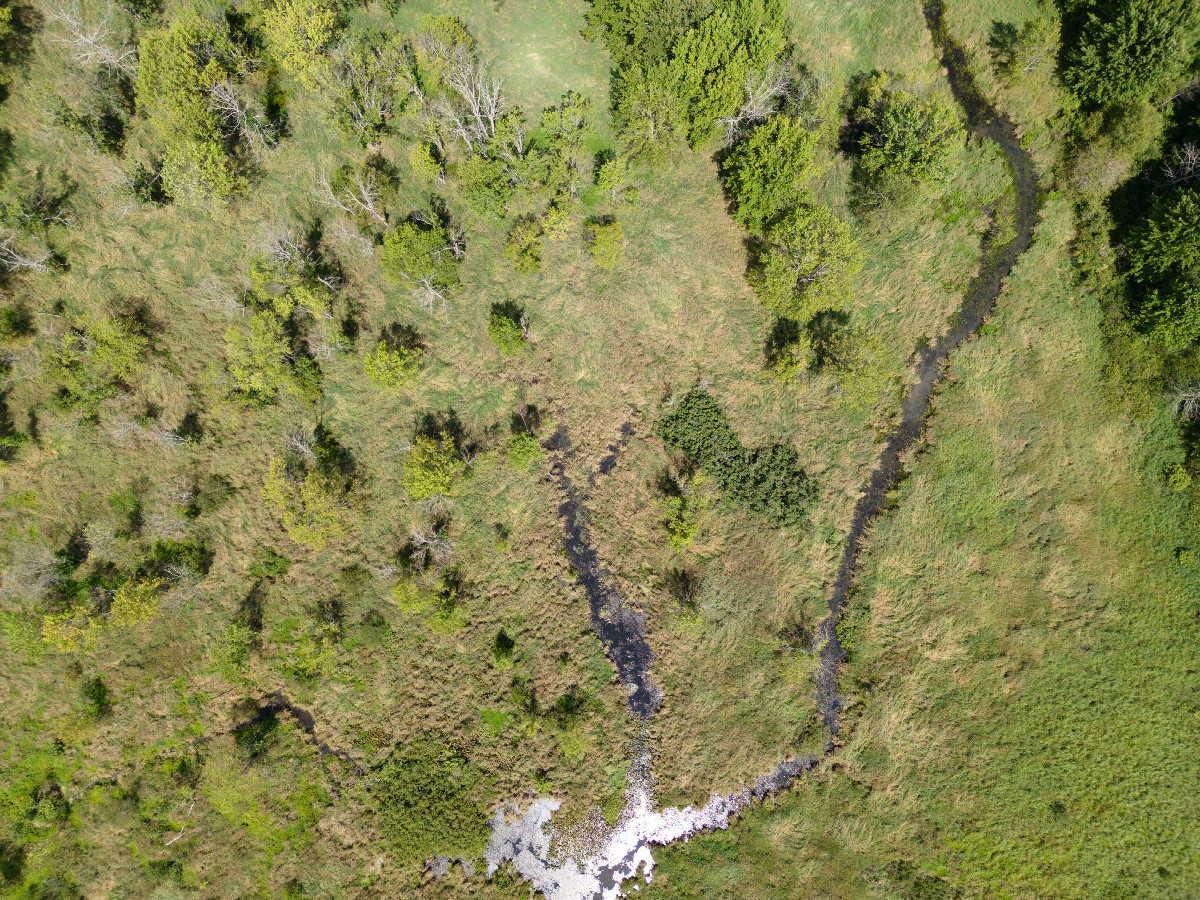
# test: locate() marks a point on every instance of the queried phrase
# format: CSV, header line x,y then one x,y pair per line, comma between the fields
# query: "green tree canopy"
x,y
912,136
805,263
768,170
1128,49
1164,257
178,68
423,257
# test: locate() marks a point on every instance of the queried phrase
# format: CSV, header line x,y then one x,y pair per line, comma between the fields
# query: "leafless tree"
x,y
360,195
15,259
287,248
472,118
362,245
1185,399
301,442
1183,166
34,571
431,547
94,42
243,117
363,78
764,91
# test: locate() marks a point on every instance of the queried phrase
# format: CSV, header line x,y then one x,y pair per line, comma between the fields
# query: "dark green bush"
x,y
769,481
430,802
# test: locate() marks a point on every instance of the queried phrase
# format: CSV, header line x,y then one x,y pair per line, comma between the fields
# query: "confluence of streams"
x,y
604,857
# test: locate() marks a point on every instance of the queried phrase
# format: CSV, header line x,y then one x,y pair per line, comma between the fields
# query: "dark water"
x,y
999,256
621,629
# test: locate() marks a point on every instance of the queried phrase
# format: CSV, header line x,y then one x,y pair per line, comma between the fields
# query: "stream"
x,y
604,857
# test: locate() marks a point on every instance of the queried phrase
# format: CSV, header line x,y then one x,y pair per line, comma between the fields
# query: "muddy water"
x,y
999,257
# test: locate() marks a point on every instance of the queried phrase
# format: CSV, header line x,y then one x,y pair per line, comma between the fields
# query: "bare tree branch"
x,y
92,43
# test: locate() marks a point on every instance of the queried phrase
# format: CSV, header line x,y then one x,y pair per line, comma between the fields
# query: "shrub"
x,y
430,801
805,263
767,172
768,481
682,512
606,242
231,650
524,451
392,369
98,697
432,467
506,328
314,508
524,246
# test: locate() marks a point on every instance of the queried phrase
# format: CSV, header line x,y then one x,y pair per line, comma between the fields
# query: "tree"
x,y
805,263
768,170
299,33
255,357
432,467
650,113
97,355
913,137
1129,49
362,79
1164,257
524,246
712,61
423,257
392,367
1031,49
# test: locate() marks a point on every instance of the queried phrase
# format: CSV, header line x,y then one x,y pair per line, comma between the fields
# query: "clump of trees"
x,y
424,255
683,69
768,481
98,356
292,289
195,86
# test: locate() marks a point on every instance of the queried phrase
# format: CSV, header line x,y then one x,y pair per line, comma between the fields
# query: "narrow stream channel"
x,y
978,301
619,853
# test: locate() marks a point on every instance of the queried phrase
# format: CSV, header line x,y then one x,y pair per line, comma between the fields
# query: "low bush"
x,y
431,801
768,481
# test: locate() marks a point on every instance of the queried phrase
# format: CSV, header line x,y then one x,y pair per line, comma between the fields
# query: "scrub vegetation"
x,y
326,326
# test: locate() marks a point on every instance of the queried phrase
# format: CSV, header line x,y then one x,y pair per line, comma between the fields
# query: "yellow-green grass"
x,y
1020,644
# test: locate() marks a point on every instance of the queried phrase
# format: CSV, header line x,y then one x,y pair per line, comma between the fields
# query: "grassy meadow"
x,y
1020,638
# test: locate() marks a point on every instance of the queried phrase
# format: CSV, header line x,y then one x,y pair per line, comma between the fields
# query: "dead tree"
x,y
93,43
15,259
359,196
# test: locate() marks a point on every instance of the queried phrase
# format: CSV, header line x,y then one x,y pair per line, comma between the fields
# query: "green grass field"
x,y
1021,720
